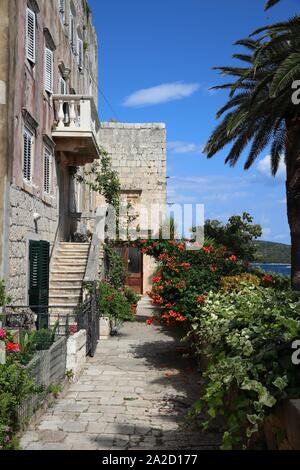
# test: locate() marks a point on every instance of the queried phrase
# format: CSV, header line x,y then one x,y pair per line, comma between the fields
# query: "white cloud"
x,y
179,146
266,231
264,168
161,94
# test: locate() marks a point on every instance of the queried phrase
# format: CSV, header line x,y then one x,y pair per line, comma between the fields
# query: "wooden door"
x,y
133,262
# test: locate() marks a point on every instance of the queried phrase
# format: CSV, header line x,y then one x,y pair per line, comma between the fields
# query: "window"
x,y
72,33
30,35
79,52
48,70
62,86
27,154
61,10
47,171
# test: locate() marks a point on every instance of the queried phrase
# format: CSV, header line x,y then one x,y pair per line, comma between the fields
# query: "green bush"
x,y
247,337
113,303
15,386
239,282
116,273
131,296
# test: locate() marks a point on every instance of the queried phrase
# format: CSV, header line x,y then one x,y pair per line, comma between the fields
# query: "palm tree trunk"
x,y
293,196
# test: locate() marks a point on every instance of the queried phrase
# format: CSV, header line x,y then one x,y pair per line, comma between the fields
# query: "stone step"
x,y
68,263
68,269
66,283
74,246
66,290
67,276
70,256
63,300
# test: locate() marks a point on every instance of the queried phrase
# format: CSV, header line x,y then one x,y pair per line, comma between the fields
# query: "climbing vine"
x,y
101,178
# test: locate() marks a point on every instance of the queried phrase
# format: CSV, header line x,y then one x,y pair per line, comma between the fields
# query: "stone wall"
x,y
23,229
76,353
138,153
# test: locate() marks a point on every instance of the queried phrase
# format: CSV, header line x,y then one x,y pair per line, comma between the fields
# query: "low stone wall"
x,y
282,428
76,352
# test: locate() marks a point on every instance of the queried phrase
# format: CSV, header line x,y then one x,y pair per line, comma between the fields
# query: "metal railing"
x,y
34,317
87,317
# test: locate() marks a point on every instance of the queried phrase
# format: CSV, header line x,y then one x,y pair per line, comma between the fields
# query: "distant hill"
x,y
270,252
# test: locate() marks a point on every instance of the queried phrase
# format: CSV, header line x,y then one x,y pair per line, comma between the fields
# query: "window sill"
x,y
28,187
48,199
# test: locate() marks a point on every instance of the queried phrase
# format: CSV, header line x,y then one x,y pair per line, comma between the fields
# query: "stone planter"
x,y
105,327
76,353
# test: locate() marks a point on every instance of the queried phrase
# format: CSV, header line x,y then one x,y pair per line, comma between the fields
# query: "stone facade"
x,y
24,101
138,153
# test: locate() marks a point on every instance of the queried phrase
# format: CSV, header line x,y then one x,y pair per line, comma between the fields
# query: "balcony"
x,y
75,129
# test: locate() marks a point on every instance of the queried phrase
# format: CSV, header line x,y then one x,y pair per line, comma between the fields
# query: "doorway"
x,y
38,291
133,262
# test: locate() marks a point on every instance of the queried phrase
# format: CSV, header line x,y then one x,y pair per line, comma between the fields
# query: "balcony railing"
x,y
76,127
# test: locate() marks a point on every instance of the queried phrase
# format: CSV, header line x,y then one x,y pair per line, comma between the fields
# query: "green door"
x,y
39,280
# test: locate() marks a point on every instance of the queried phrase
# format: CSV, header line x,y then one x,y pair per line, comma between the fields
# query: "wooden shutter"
x,y
47,170
39,279
27,155
30,35
48,70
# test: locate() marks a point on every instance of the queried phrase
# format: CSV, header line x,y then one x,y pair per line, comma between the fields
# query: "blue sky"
x,y
155,65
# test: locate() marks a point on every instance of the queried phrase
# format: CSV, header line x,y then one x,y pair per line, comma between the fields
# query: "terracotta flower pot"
x,y
133,308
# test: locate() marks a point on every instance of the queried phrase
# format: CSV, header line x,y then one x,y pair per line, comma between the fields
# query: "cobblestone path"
x,y
134,394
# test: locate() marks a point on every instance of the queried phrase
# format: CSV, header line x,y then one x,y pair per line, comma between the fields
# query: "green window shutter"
x,y
39,279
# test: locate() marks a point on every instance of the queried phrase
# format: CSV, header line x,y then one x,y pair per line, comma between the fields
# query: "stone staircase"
x,y
66,278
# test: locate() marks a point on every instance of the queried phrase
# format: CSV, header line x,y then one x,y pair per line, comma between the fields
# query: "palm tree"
x,y
271,3
260,112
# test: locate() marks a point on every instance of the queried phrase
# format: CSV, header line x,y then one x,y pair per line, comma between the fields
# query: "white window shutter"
x,y
62,86
27,155
48,70
47,171
61,9
72,33
80,53
30,35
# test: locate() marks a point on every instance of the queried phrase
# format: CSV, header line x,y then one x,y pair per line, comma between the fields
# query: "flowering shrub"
x,y
184,277
113,303
247,337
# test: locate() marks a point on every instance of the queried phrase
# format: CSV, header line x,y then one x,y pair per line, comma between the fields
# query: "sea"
x,y
284,269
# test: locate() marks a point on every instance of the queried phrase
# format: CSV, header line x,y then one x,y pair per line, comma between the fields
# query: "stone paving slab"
x,y
134,394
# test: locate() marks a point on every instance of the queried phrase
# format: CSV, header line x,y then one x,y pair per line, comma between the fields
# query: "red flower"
x,y
169,305
144,251
150,321
143,242
2,333
156,279
180,285
180,318
185,265
214,268
208,249
267,280
232,258
201,299
181,246
13,348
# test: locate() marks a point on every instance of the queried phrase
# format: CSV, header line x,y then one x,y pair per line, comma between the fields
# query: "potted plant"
x,y
132,298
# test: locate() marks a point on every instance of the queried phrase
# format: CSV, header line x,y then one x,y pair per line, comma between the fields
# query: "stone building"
x,y
138,153
48,128
49,131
